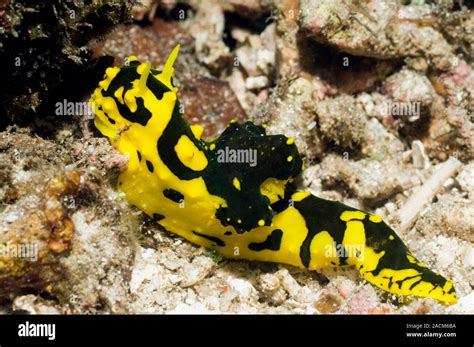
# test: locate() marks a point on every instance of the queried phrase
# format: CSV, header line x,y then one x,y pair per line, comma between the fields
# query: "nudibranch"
x,y
235,194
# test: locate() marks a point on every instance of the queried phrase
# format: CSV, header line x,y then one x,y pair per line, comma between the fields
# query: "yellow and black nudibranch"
x,y
234,194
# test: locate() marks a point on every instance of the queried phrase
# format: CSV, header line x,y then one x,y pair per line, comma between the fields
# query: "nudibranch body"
x,y
234,194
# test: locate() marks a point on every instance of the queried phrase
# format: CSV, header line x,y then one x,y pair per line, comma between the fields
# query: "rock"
x,y
190,297
419,156
243,287
286,112
183,308
410,87
246,57
146,269
268,282
324,20
374,104
248,8
465,179
411,94
256,82
212,303
49,41
32,304
196,271
463,74
465,305
340,121
82,264
99,268
364,301
288,282
379,143
344,286
212,104
240,35
369,180
445,257
207,28
142,8
270,287
382,29
449,216
170,260
286,38
312,179
329,301
344,122
257,53
467,258
266,55
33,239
450,131
237,83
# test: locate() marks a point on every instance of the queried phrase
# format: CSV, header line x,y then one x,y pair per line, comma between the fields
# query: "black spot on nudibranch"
x,y
139,156
314,206
173,195
272,243
125,78
156,87
167,141
245,201
228,233
111,120
149,166
157,217
217,240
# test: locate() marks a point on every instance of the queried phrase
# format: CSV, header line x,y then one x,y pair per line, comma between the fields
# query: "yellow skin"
x,y
173,176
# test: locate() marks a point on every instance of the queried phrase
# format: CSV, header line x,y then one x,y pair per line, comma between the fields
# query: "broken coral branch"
x,y
415,204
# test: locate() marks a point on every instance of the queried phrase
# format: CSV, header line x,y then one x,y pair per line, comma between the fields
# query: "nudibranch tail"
x,y
389,265
334,235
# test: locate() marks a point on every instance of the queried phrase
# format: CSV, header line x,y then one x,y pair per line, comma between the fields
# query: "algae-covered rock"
x,y
43,48
62,231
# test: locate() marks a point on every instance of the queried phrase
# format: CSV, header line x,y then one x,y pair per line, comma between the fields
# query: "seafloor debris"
x,y
286,112
450,216
340,121
426,193
369,180
31,304
207,29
